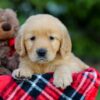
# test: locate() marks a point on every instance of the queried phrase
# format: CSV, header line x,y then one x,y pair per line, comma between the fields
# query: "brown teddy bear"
x,y
9,25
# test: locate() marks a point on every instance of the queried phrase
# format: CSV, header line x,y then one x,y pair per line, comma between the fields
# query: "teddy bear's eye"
x,y
51,38
32,38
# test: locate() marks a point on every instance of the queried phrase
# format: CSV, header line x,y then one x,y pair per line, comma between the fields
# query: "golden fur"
x,y
60,59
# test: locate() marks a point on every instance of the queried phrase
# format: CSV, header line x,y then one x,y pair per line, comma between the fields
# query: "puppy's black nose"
x,y
6,27
41,52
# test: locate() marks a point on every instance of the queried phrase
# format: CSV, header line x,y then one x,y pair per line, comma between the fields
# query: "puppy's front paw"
x,y
62,79
22,74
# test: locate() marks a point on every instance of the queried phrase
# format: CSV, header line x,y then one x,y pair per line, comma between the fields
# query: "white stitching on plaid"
x,y
91,85
82,82
15,91
55,89
30,89
33,85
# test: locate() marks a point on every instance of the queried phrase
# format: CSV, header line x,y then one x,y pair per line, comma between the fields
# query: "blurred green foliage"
x,y
82,17
98,97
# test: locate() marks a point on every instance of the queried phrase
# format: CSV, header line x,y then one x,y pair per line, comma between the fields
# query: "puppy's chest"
x,y
43,69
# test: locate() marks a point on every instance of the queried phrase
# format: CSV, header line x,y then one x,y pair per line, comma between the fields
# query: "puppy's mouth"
x,y
42,60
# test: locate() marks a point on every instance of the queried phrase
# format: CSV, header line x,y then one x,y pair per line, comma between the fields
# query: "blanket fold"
x,y
40,87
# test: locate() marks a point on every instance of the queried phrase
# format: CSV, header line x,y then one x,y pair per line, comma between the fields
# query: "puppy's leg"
x,y
63,74
24,71
62,77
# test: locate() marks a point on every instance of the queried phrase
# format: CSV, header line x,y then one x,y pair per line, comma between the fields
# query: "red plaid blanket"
x,y
40,87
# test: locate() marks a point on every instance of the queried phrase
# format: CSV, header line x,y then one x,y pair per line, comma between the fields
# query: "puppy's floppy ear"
x,y
19,42
66,45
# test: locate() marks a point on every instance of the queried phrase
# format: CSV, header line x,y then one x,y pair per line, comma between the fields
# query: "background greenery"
x,y
82,18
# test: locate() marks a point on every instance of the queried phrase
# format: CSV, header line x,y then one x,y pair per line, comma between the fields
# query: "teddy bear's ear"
x,y
19,42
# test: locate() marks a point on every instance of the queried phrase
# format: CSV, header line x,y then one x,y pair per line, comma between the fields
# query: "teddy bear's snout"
x,y
6,27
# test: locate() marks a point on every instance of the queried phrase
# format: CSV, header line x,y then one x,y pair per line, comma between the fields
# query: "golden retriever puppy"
x,y
44,45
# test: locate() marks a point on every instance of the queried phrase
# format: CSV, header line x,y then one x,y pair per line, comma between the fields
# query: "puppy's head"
x,y
41,38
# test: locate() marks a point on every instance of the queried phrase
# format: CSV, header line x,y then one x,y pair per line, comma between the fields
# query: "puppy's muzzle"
x,y
41,52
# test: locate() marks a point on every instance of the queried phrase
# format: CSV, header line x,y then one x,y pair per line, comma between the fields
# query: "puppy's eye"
x,y
33,38
51,38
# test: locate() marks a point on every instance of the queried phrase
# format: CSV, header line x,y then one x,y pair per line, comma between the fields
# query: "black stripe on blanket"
x,y
69,91
1,98
35,84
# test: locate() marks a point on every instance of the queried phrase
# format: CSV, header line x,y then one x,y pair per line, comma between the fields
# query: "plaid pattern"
x,y
40,87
